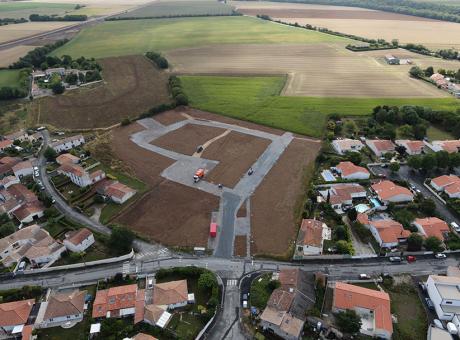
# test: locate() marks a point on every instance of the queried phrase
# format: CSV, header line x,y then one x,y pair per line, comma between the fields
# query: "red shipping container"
x,y
213,230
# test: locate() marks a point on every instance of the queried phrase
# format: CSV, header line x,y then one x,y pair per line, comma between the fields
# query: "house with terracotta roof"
x,y
342,146
7,181
363,218
453,190
371,305
79,176
451,146
348,170
387,192
156,316
5,144
388,233
432,226
23,169
116,191
61,308
67,158
413,147
311,237
143,336
116,302
79,240
170,295
68,143
20,135
343,194
445,295
6,165
30,212
450,184
14,316
380,146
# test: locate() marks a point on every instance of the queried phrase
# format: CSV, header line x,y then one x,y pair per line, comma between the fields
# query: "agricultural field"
x,y
165,8
22,9
10,55
313,70
9,78
131,86
127,37
17,31
257,99
361,22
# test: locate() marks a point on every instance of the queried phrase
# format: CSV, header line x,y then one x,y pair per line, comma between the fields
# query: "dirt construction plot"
x,y
240,245
186,139
274,223
132,85
169,117
173,214
236,152
313,70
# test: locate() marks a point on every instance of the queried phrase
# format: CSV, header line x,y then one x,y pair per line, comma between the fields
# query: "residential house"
x,y
311,237
68,143
340,195
348,170
342,146
79,240
413,147
14,316
67,158
29,212
116,302
61,308
8,181
80,176
6,165
371,305
451,146
32,243
388,233
363,218
143,336
450,184
5,144
445,295
432,226
116,191
156,316
387,192
20,135
170,295
380,146
23,169
453,190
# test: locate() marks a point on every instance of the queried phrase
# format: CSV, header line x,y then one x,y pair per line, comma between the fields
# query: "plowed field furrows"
x,y
236,152
132,85
361,22
186,139
320,70
274,220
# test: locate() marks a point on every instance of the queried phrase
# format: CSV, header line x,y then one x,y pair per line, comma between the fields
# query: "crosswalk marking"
x,y
232,282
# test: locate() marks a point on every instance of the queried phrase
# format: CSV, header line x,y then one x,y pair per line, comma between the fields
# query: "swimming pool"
x,y
328,176
375,202
362,208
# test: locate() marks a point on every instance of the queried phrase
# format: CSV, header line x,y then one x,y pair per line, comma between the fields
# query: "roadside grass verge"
x,y
257,99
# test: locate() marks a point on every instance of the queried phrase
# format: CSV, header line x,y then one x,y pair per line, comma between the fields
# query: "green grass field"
x,y
257,99
180,8
9,78
19,10
127,37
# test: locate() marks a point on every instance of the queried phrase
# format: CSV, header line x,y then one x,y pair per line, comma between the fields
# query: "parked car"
x,y
21,266
395,259
429,303
438,323
411,258
440,256
422,286
455,226
364,277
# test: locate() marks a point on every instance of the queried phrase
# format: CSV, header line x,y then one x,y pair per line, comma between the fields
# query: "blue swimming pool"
x,y
375,202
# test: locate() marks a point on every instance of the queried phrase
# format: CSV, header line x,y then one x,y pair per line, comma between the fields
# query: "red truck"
x,y
213,230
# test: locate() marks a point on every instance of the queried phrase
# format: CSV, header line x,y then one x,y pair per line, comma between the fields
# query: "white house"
x,y
79,241
30,212
116,191
7,181
342,146
380,146
413,147
61,308
439,183
348,170
432,226
171,295
388,233
80,176
388,191
311,237
343,194
68,143
444,292
23,169
451,146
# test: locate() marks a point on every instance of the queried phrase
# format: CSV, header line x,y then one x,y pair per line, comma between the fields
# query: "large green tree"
x,y
414,242
348,321
121,240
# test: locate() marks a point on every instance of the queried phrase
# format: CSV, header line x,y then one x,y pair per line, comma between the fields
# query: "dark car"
x,y
429,303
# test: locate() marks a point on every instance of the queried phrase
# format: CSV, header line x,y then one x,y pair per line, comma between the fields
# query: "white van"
x,y
22,266
455,226
150,284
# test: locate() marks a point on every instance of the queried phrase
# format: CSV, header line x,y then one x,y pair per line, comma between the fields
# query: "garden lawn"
x,y
257,99
260,291
433,133
9,78
127,37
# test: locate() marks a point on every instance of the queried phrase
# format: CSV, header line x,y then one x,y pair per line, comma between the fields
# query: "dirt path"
x,y
209,142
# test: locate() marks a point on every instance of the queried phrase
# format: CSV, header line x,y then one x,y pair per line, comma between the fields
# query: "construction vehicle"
x,y
199,174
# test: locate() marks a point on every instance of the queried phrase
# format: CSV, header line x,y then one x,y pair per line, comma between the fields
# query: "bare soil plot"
x,y
17,31
236,152
322,70
172,214
9,56
186,139
274,205
240,246
169,117
131,86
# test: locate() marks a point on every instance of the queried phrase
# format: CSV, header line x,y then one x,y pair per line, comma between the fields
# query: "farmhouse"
x,y
78,241
79,176
388,192
373,307
443,292
380,146
116,191
343,194
342,146
23,169
68,143
451,146
312,234
14,316
432,226
61,308
67,158
116,302
413,147
5,144
348,170
388,233
170,295
391,59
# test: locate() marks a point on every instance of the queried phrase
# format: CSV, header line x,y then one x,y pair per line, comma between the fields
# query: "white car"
x,y
440,256
364,277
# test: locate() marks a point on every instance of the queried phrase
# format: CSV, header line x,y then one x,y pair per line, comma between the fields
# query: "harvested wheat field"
x,y
274,205
236,152
313,69
18,31
172,214
362,22
132,85
10,55
186,139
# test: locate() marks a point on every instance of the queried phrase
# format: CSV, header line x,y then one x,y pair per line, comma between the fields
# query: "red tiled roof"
x,y
114,298
363,218
5,143
140,305
453,188
390,231
79,236
15,313
22,166
433,226
171,292
281,300
383,144
348,296
348,168
29,209
117,189
67,158
73,169
20,192
387,189
289,277
412,145
445,180
312,232
143,336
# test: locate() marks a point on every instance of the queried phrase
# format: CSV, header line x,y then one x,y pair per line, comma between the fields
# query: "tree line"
x,y
172,16
10,92
68,17
8,21
158,59
418,72
37,56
